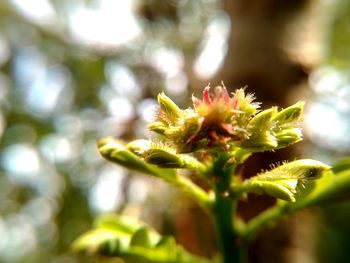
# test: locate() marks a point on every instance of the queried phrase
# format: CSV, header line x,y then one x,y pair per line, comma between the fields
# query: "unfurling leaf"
x,y
116,152
169,159
282,182
164,156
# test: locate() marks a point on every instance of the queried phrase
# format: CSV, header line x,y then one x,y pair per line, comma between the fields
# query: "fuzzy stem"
x,y
224,211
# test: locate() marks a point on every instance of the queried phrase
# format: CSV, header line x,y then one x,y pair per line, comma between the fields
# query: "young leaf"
x,y
158,127
259,127
290,114
287,137
282,181
168,108
163,158
116,152
262,120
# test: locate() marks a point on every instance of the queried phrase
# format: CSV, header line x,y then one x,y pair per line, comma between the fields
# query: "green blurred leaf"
x,y
341,165
330,188
132,240
144,237
92,240
126,224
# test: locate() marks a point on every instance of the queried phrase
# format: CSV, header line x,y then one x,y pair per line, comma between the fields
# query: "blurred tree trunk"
x,y
272,48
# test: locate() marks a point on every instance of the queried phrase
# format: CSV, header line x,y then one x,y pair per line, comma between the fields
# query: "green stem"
x,y
224,211
228,240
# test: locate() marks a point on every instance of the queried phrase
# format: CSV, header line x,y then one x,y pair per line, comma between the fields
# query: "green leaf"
x,y
116,152
342,165
288,137
262,120
139,146
163,158
289,115
260,142
282,182
125,224
144,237
271,130
168,108
92,240
284,189
330,188
114,236
261,138
158,127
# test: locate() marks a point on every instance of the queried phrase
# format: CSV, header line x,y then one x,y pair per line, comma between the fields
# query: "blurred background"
x,y
72,72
